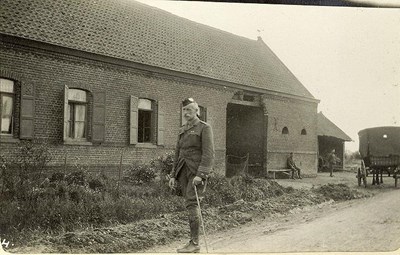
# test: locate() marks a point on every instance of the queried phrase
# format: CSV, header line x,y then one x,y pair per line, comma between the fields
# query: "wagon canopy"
x,y
379,141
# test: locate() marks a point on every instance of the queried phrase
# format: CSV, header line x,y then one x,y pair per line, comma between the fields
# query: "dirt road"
x,y
371,224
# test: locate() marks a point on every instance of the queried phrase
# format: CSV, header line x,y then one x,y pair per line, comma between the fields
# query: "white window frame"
x,y
143,107
11,94
74,97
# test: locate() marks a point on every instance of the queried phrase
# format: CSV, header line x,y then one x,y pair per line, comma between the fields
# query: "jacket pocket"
x,y
194,139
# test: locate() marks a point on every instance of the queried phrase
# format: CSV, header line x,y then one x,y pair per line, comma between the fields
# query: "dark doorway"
x,y
325,145
244,136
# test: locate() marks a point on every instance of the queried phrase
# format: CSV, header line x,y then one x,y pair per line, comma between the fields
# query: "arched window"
x,y
146,120
285,131
304,131
6,105
77,114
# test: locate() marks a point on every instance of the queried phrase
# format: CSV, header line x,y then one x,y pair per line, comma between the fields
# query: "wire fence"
x,y
237,165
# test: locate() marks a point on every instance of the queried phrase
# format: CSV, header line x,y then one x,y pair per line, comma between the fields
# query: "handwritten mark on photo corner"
x,y
6,243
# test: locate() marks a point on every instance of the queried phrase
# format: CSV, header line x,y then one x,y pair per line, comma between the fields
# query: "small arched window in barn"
x,y
304,131
385,136
285,131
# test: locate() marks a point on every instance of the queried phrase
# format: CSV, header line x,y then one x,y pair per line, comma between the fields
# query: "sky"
x,y
347,57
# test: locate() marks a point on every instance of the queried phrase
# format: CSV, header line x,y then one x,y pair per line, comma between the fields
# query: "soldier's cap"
x,y
188,101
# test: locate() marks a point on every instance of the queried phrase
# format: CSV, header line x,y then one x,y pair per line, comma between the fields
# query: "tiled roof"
x,y
133,31
328,128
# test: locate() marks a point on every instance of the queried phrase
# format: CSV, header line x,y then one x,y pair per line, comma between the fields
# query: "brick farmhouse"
x,y
100,79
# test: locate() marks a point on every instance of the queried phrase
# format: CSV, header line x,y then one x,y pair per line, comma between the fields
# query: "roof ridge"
x,y
260,40
140,33
197,23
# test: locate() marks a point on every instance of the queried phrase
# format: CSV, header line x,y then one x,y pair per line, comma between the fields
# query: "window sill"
x,y
8,139
73,142
146,145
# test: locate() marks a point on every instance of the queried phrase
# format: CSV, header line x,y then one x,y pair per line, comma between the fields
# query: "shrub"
x,y
58,176
78,178
163,164
19,176
139,174
220,191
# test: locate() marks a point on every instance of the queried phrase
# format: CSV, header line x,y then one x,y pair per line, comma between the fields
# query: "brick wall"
x,y
296,115
49,72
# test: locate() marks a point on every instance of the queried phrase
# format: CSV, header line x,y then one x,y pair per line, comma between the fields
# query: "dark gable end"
x,y
133,31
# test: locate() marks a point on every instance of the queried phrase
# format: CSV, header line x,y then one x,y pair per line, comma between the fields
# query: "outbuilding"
x,y
330,137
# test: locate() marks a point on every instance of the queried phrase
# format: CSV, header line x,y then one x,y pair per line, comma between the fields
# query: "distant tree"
x,y
352,155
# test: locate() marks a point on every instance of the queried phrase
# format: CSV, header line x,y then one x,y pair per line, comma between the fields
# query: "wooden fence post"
x,y
65,164
119,173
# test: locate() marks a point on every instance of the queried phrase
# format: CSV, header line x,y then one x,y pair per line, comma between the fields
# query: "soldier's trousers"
x,y
296,169
331,168
185,179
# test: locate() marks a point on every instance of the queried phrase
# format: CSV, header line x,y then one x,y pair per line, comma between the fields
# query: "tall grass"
x,y
77,200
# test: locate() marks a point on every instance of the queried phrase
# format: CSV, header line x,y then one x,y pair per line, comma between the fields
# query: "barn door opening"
x,y
244,137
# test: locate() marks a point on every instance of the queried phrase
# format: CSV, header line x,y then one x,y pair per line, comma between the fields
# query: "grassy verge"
x,y
80,212
163,228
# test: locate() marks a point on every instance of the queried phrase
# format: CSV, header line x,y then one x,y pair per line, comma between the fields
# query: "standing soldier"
x,y
194,158
332,159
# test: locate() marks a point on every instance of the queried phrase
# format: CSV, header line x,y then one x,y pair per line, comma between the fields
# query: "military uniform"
x,y
292,165
194,156
194,149
331,162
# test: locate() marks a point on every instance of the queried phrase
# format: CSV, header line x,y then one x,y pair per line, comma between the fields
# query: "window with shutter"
x,y
133,134
6,106
76,115
160,123
99,116
146,121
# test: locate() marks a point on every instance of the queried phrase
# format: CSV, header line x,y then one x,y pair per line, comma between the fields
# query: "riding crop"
x,y
201,217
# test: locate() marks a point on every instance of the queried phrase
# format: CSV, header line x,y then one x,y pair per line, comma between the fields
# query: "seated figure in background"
x,y
292,165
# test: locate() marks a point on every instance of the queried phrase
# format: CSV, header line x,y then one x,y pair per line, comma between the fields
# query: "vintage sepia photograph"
x,y
159,126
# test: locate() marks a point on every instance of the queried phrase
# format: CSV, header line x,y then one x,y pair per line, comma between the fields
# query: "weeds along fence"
x,y
35,162
33,169
36,196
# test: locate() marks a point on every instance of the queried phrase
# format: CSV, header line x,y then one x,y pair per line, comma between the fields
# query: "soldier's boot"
x,y
190,247
194,223
299,175
292,174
